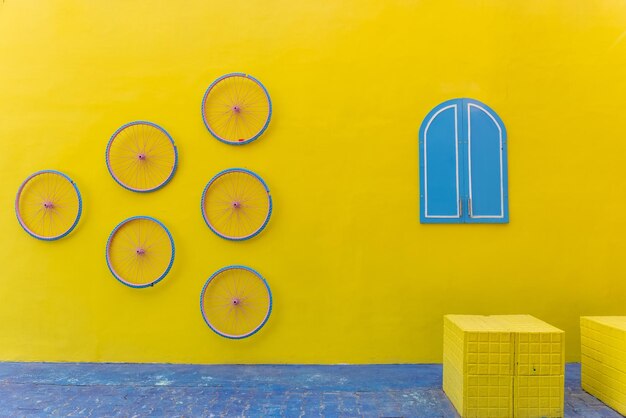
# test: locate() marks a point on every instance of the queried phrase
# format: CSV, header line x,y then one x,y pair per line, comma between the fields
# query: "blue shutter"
x,y
463,164
439,165
486,164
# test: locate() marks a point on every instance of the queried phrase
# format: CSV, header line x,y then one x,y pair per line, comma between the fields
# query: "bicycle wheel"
x,y
141,156
236,204
140,251
48,205
236,108
236,302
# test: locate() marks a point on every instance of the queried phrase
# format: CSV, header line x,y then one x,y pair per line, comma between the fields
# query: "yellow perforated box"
x,y
538,396
603,347
539,347
485,357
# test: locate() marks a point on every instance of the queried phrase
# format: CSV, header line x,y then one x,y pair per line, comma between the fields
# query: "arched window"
x,y
463,166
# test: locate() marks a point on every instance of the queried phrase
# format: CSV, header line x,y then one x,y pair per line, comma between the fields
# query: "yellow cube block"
x,y
503,366
538,396
603,360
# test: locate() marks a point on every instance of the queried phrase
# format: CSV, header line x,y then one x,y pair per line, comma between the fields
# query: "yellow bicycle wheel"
x,y
141,156
140,251
236,302
48,205
236,108
236,204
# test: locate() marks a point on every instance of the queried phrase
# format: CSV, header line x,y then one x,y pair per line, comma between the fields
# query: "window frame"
x,y
463,148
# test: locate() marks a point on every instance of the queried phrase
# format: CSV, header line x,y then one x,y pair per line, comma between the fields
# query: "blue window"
x,y
463,166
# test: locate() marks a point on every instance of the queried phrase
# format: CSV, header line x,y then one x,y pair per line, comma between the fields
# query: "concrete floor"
x,y
164,390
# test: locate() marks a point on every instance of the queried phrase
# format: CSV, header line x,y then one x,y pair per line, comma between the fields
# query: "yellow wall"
x,y
354,275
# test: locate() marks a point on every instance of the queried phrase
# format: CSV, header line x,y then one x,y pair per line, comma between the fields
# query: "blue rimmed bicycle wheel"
x,y
140,251
141,156
236,204
48,205
236,108
236,302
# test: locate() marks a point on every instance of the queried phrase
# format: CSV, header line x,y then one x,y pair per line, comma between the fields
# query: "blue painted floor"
x,y
163,390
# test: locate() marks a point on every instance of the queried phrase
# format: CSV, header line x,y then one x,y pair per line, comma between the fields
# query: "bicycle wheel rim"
x,y
236,204
236,302
139,258
236,108
48,200
141,156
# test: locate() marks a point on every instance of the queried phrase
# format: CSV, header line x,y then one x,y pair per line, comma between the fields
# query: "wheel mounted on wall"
x,y
236,204
236,302
236,108
48,205
140,251
141,156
